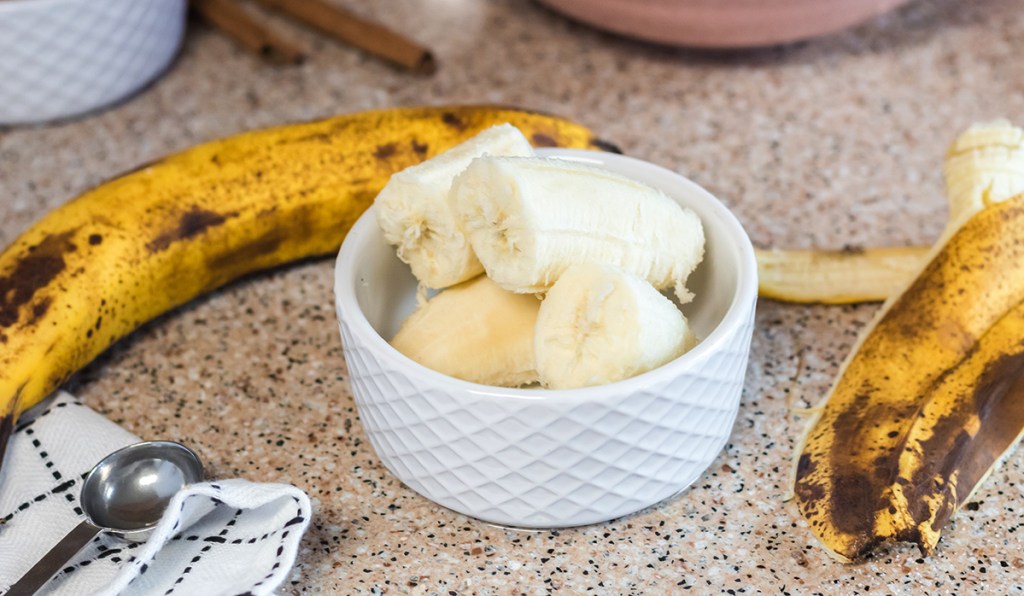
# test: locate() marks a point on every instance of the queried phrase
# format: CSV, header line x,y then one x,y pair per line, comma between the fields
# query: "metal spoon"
x,y
125,494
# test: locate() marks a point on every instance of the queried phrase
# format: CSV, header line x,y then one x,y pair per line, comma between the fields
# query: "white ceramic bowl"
x,y
61,58
537,458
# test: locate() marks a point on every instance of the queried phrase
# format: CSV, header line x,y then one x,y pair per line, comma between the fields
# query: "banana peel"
x,y
846,276
933,396
93,270
984,166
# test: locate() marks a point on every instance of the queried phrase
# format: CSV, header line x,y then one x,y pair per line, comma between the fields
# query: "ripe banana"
x,y
414,215
474,331
985,165
931,397
599,324
529,219
93,270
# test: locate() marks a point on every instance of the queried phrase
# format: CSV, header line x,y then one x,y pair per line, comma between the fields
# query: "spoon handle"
x,y
53,561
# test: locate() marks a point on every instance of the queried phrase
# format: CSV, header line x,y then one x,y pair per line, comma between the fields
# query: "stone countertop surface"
x,y
826,143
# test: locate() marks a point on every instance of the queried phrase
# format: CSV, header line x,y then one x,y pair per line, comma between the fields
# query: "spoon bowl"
x,y
125,495
127,492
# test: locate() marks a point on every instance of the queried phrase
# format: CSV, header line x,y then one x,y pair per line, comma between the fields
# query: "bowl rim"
x,y
736,316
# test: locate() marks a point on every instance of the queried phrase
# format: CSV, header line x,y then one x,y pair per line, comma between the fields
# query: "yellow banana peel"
x,y
96,268
836,276
933,395
985,165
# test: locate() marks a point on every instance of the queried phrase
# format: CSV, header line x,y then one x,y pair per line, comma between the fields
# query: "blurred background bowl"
x,y
62,58
722,23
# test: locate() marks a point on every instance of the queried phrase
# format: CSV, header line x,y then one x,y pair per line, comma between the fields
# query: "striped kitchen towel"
x,y
219,537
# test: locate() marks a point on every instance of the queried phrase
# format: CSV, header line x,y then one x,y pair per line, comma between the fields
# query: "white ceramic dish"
x,y
537,458
62,58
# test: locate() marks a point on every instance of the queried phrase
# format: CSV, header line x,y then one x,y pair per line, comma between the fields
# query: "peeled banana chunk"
x,y
530,218
414,214
599,324
474,331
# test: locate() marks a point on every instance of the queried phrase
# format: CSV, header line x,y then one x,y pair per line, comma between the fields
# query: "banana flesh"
x,y
414,214
542,225
529,219
599,324
474,331
931,398
984,165
93,270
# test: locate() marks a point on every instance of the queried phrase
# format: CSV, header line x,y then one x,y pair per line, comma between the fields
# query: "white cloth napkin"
x,y
219,537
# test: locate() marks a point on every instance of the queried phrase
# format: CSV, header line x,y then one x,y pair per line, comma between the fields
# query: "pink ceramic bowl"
x,y
723,23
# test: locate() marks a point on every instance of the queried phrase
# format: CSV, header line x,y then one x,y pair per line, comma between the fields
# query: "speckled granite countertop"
x,y
828,143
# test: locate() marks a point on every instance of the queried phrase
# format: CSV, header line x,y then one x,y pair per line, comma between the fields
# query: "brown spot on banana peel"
x,y
385,151
262,245
39,309
261,249
34,270
850,450
452,120
193,222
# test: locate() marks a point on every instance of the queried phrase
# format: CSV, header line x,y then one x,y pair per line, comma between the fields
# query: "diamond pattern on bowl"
x,y
59,59
547,462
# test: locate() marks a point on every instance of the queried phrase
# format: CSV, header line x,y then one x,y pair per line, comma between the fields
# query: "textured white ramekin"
x,y
538,458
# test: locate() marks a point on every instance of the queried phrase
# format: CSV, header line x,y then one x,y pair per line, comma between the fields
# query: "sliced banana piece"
x,y
412,209
474,331
529,219
599,324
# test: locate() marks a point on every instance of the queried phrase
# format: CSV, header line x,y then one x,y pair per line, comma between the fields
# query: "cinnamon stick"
x,y
359,32
231,19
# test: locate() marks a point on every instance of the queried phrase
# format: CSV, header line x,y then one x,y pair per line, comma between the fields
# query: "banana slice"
x,y
599,324
474,331
529,218
413,212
